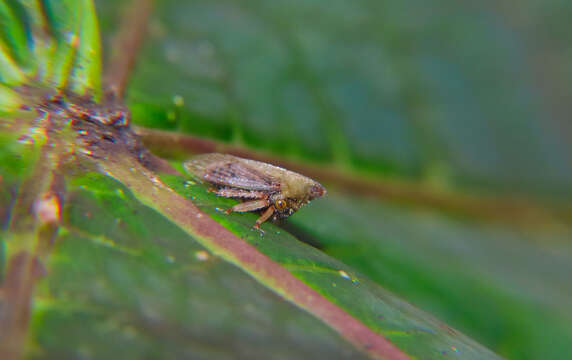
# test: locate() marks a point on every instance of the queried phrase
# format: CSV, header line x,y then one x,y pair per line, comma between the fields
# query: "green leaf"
x,y
10,100
56,42
10,73
419,334
14,33
75,59
503,286
423,97
124,281
121,260
86,73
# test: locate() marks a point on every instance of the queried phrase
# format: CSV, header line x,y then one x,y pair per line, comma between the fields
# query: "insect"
x,y
275,191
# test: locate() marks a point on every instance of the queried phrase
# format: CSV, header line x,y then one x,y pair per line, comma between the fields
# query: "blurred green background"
x,y
475,94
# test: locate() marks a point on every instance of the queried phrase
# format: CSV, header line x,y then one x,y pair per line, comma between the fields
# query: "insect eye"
x,y
280,204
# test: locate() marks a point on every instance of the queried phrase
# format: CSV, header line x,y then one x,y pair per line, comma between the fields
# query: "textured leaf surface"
x,y
420,335
125,282
506,287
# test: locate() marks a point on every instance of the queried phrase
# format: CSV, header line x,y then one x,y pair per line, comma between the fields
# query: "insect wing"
x,y
231,171
240,175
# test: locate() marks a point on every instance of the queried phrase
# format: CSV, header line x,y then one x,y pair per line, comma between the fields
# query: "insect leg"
x,y
265,216
249,206
239,193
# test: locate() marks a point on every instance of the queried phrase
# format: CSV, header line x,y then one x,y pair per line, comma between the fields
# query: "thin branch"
x,y
513,210
35,221
125,47
17,289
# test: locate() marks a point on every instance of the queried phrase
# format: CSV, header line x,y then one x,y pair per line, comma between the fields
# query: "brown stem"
x,y
125,47
35,219
16,297
512,210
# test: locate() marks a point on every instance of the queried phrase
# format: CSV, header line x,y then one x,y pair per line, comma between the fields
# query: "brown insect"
x,y
277,192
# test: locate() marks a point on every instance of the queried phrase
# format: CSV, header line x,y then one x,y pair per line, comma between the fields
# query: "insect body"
x,y
277,192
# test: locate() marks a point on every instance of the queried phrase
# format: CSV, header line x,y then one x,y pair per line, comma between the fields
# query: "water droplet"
x,y
334,285
202,255
454,349
257,229
219,209
344,274
178,100
277,232
170,259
